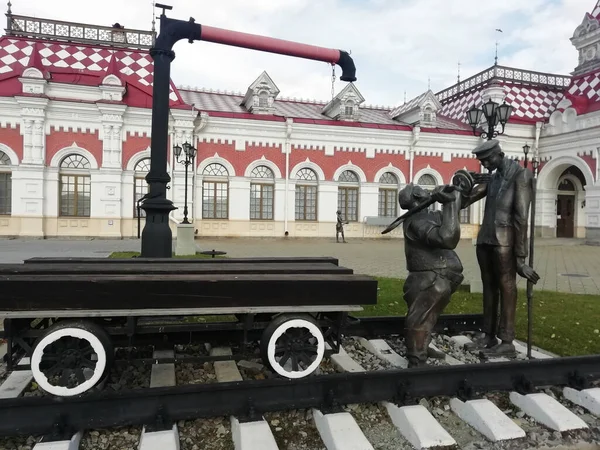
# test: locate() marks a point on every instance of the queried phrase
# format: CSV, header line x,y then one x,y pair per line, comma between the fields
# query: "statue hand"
x,y
441,196
527,272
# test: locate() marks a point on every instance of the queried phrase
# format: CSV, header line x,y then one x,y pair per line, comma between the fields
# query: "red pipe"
x,y
282,47
267,44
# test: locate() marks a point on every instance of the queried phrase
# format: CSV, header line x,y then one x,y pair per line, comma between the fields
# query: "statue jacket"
x,y
508,198
422,252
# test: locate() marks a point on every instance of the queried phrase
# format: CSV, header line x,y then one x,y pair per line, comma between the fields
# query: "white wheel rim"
x,y
296,323
63,391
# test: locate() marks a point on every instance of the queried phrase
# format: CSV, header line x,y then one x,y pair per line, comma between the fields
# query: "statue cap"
x,y
487,148
405,196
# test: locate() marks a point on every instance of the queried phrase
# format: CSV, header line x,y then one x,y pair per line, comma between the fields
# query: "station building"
x,y
75,121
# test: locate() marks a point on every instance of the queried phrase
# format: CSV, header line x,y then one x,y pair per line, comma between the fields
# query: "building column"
x,y
592,214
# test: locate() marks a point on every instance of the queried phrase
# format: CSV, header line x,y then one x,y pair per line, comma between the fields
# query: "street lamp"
x,y
189,153
526,152
494,114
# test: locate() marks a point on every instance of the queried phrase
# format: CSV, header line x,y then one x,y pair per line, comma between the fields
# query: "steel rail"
x,y
250,399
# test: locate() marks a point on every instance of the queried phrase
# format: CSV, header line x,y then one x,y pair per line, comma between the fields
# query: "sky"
x,y
398,46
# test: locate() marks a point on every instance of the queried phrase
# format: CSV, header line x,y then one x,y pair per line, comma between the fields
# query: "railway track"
x,y
204,397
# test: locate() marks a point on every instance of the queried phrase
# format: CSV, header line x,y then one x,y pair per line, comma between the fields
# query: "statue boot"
x,y
483,341
505,348
416,347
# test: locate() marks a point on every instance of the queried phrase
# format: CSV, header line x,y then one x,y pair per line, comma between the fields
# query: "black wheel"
x,y
293,345
71,357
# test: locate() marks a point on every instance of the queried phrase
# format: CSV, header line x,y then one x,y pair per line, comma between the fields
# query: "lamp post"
x,y
494,114
189,153
526,152
535,163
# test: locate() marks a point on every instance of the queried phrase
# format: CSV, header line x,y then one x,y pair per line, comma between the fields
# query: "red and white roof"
x,y
135,65
530,103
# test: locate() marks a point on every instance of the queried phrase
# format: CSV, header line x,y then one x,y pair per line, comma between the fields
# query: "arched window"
x,y
566,185
5,184
215,192
140,186
75,186
388,194
262,192
427,181
348,195
306,194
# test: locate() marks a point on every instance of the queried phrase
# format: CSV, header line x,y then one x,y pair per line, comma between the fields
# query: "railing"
x,y
505,74
79,32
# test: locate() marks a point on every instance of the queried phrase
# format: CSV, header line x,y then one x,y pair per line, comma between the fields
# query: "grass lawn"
x,y
565,324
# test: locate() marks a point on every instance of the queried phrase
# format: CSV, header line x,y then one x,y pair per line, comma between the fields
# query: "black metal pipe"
x,y
157,235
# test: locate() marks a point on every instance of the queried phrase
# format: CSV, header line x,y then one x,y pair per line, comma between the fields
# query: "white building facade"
x,y
75,124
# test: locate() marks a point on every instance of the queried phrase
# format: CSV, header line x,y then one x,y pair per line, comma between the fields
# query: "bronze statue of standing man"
x,y
339,227
501,245
435,271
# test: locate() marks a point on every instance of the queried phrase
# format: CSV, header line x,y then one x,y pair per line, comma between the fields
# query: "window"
x,y
566,185
215,192
349,108
262,193
465,215
140,186
306,194
348,195
75,187
263,100
388,193
5,185
427,181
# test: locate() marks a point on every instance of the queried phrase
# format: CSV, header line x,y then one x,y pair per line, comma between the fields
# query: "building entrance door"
x,y
565,216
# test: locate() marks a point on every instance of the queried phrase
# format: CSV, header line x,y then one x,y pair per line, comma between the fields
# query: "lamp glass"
x,y
526,149
503,112
489,108
474,116
177,149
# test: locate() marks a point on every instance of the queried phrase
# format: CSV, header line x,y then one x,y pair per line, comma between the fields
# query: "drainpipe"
x,y
411,151
538,130
288,148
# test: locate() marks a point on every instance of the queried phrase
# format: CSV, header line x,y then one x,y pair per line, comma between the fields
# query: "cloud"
x,y
396,44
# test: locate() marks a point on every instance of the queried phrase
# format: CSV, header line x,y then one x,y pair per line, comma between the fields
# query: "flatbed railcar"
x,y
67,315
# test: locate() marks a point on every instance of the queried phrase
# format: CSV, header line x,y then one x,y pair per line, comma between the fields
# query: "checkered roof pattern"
x,y
596,11
529,102
587,86
15,55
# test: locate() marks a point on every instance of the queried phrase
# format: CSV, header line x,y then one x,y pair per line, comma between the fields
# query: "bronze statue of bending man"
x,y
435,271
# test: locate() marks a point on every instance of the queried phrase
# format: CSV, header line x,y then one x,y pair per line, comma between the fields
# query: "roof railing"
x,y
508,74
58,30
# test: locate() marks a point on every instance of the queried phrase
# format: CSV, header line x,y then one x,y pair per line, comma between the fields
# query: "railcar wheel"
x,y
293,345
71,358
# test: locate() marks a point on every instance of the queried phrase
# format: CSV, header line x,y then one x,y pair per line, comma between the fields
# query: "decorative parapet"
x,y
58,30
506,74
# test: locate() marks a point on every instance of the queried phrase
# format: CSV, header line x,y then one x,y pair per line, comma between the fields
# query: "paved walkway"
x,y
564,265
